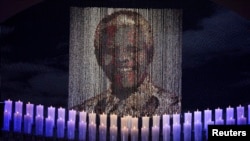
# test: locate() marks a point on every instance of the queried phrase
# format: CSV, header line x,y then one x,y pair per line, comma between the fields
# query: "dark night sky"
x,y
216,56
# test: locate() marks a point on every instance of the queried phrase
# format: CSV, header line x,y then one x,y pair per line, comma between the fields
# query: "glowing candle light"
x,y
27,124
71,124
129,122
82,125
49,127
124,129
92,117
39,119
249,114
51,114
145,128
113,133
218,117
134,129
8,105
197,126
103,127
176,127
166,127
187,126
207,117
60,122
70,129
156,128
113,127
241,119
7,114
18,116
30,110
50,122
28,118
92,126
230,116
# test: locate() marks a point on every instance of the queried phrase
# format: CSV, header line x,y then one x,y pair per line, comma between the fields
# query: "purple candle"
x,y
218,117
18,116
249,114
27,124
82,116
102,132
92,117
82,130
19,107
71,129
166,132
241,120
60,122
155,133
230,116
134,129
145,128
103,127
176,127
72,115
113,127
144,133
39,125
39,119
92,131
51,115
30,110
39,110
60,127
166,127
7,114
207,117
49,127
187,126
129,122
92,126
113,133
82,125
113,120
71,124
124,133
156,128
197,126
8,105
28,118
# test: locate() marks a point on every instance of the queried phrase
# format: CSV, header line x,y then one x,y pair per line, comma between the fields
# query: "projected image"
x,y
125,61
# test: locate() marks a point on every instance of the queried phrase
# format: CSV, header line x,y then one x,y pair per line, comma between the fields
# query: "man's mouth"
x,y
124,69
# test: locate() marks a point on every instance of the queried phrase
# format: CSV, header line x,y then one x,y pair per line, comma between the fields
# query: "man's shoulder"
x,y
165,93
89,104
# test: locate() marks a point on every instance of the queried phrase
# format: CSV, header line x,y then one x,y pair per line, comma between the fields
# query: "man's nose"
x,y
123,56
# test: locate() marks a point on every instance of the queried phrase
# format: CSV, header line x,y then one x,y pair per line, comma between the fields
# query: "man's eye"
x,y
134,49
109,51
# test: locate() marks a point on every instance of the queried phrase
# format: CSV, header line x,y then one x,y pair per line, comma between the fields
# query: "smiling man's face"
x,y
124,55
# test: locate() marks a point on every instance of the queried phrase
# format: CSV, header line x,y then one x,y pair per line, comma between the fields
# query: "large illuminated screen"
x,y
125,61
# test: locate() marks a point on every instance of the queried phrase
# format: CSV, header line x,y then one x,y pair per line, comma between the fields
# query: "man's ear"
x,y
98,56
150,52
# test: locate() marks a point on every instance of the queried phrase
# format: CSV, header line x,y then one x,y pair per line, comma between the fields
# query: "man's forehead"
x,y
121,35
122,31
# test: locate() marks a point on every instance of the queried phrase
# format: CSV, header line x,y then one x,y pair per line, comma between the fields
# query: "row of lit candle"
x,y
129,124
